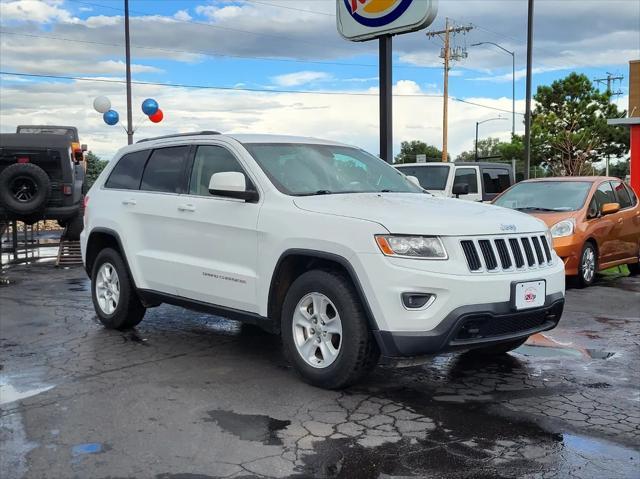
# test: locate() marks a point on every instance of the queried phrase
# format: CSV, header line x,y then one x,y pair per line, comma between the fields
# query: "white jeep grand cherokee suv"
x,y
320,242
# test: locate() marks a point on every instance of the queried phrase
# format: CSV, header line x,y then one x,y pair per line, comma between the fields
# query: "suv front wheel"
x,y
325,330
114,297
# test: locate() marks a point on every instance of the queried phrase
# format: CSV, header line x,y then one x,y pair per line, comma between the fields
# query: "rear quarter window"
x,y
127,173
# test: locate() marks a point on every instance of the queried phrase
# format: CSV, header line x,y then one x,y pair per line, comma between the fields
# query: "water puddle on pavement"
x,y
542,346
78,284
249,427
599,450
13,389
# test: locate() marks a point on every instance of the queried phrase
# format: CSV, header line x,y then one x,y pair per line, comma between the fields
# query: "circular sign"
x,y
376,13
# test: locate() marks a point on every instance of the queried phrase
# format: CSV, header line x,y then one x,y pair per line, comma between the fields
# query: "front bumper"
x,y
569,252
473,326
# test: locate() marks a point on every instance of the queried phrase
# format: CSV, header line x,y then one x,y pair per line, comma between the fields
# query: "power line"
x,y
292,8
246,89
202,52
193,22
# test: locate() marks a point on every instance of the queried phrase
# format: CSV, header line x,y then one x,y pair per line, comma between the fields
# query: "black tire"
x,y
74,227
128,311
24,189
587,277
358,352
498,349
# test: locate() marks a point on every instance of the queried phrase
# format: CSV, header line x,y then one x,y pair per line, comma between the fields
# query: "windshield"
x,y
430,177
546,196
305,169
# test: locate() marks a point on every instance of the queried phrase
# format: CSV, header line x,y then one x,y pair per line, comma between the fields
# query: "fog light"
x,y
417,300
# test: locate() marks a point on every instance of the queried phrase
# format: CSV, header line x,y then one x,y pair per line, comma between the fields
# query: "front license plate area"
x,y
531,294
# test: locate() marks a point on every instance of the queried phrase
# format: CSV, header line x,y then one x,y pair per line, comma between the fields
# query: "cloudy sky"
x,y
279,66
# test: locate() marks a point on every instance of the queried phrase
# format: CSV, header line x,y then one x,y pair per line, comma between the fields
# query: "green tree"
x,y
410,149
569,127
619,169
94,167
486,147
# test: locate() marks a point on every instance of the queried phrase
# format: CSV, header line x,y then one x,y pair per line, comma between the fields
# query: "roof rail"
x,y
177,135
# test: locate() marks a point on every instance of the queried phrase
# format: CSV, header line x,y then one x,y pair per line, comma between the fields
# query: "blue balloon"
x,y
149,106
111,117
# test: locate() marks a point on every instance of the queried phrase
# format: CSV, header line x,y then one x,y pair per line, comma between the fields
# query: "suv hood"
x,y
422,214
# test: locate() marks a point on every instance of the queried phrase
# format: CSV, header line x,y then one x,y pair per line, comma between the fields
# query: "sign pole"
x,y
386,110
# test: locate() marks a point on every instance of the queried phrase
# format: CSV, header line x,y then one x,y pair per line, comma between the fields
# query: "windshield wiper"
x,y
534,208
319,192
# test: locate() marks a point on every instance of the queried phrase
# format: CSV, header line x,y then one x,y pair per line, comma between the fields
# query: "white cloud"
x,y
347,118
182,15
300,78
40,11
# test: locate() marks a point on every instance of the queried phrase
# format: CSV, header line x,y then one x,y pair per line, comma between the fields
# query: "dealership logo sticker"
x,y
530,295
376,13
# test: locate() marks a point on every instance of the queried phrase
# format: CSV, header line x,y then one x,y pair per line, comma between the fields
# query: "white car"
x,y
318,241
478,181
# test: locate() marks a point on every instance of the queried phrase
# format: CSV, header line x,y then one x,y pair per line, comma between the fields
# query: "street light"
x,y
480,123
513,82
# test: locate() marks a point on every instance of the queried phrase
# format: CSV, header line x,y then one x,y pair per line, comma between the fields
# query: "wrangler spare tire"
x,y
24,188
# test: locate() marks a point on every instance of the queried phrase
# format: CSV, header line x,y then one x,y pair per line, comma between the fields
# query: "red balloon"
x,y
157,116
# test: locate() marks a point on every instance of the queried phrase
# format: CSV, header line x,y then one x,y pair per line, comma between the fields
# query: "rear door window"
x,y
496,180
127,174
467,176
165,170
623,195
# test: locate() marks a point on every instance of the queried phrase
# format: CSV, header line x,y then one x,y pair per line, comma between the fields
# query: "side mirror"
x,y
231,184
83,147
414,180
610,208
460,189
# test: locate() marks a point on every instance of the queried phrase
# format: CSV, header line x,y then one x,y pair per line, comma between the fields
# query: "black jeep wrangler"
x,y
42,177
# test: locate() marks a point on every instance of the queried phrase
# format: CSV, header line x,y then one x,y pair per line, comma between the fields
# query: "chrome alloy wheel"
x,y
588,265
317,330
107,288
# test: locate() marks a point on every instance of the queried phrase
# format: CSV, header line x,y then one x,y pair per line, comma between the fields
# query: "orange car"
x,y
594,221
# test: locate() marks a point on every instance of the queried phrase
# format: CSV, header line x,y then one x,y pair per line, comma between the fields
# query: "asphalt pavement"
x,y
189,396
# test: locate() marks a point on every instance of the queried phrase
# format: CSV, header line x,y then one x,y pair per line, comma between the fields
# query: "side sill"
x,y
155,298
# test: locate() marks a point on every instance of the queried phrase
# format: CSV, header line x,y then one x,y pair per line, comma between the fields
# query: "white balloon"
x,y
102,104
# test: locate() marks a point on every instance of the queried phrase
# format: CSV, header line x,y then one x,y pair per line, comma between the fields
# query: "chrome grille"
x,y
507,253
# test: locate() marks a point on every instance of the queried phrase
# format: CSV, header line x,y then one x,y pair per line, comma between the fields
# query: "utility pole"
x,y
448,54
527,114
127,43
610,80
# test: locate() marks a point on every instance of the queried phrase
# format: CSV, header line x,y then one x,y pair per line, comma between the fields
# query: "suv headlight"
x,y
562,228
425,247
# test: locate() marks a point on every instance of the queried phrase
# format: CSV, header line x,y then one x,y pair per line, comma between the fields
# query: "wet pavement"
x,y
188,396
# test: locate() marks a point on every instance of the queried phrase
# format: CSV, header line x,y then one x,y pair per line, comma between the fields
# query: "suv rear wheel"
x,y
114,298
325,331
24,188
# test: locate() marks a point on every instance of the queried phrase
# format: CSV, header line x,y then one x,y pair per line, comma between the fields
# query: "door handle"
x,y
620,220
187,207
129,202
